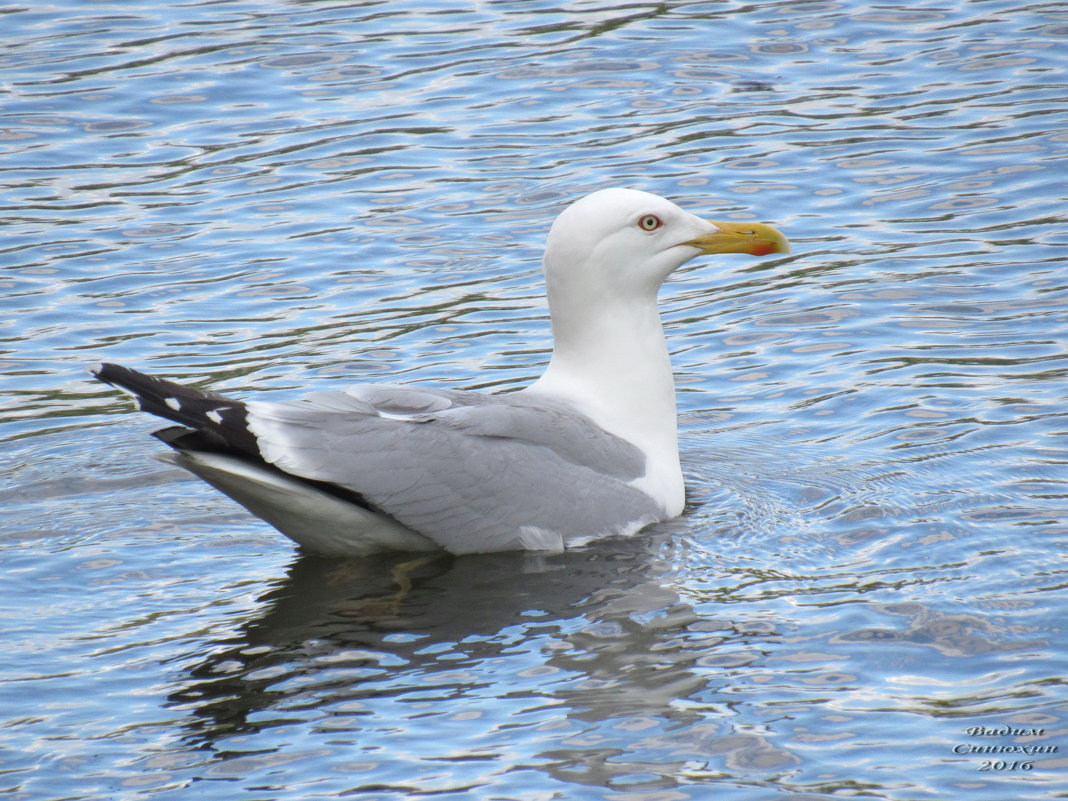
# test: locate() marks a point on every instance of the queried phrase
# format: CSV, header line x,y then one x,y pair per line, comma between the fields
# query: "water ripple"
x,y
260,197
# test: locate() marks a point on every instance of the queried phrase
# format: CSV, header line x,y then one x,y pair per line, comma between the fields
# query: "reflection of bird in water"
x,y
602,611
596,638
587,451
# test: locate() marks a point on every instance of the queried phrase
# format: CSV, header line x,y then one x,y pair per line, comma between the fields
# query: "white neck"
x,y
612,364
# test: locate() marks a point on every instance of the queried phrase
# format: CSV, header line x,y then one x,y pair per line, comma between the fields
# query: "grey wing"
x,y
472,472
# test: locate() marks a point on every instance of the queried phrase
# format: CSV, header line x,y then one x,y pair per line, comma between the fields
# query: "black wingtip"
x,y
117,375
142,385
218,422
99,369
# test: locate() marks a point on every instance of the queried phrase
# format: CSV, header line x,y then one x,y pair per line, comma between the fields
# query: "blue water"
x,y
266,197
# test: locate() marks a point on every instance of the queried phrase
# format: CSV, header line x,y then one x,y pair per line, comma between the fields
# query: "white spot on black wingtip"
x,y
214,416
173,403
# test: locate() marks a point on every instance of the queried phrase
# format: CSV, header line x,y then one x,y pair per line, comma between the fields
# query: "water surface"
x,y
267,197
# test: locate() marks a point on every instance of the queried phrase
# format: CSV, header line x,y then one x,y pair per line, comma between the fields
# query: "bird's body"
x,y
589,450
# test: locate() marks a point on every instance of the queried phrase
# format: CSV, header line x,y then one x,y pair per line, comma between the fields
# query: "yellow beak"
x,y
756,239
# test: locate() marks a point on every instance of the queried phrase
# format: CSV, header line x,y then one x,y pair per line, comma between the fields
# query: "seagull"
x,y
589,450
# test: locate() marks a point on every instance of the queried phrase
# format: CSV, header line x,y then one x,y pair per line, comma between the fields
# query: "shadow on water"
x,y
409,607
600,634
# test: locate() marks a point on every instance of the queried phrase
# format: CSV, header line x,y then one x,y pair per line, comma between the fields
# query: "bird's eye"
x,y
649,222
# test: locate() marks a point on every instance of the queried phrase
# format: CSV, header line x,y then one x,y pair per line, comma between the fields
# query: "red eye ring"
x,y
649,222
